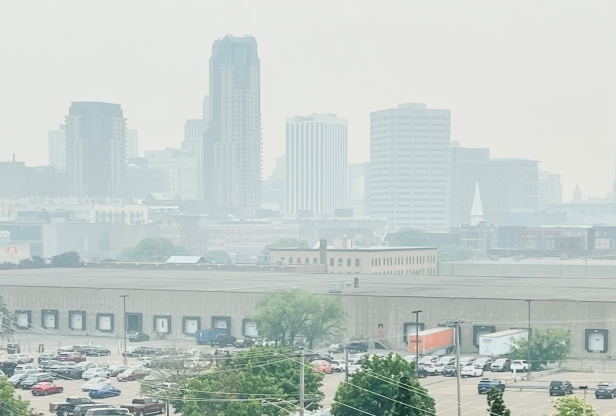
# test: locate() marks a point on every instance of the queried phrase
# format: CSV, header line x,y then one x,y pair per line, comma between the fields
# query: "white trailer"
x,y
499,343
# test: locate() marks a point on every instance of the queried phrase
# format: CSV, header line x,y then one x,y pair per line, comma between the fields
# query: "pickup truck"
x,y
68,407
143,406
223,340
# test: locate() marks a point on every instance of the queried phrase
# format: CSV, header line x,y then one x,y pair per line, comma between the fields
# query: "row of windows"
x,y
397,261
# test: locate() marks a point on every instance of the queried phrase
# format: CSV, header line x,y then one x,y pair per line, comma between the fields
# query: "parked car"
x,y
464,361
447,360
114,370
45,388
46,357
483,363
96,351
131,374
145,361
46,364
106,412
485,384
144,406
471,371
16,379
71,348
71,356
322,366
428,359
104,390
67,407
94,383
35,378
421,372
223,340
501,364
83,409
25,368
335,348
433,369
605,390
244,343
339,366
560,388
357,346
95,372
138,337
449,371
66,370
20,358
8,367
519,366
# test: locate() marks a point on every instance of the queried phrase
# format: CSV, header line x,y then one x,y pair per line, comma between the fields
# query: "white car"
x,y
145,361
428,359
93,383
433,369
354,368
26,368
464,361
471,371
447,360
20,358
411,358
339,366
355,358
95,373
519,366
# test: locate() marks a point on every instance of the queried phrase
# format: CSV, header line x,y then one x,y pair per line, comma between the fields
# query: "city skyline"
x,y
534,110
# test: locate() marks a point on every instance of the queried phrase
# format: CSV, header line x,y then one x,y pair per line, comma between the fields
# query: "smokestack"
x,y
323,251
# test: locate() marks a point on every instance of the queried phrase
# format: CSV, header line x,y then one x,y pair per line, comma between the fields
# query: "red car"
x,y
132,374
71,356
45,388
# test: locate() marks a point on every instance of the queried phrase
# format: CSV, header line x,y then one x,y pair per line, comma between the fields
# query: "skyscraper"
x,y
96,149
132,143
232,147
57,148
409,166
316,163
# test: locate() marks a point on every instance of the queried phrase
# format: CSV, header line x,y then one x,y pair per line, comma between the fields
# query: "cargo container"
x,y
206,336
435,341
498,344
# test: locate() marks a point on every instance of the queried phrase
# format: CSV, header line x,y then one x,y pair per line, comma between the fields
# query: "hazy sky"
x,y
524,78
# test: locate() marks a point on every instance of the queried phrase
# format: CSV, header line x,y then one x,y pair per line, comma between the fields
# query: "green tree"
x,y
454,253
572,406
37,262
153,249
377,387
412,237
68,259
11,404
238,386
283,315
546,346
496,404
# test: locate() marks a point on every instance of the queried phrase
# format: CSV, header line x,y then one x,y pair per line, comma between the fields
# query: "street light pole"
x,y
457,347
124,324
301,384
529,331
417,341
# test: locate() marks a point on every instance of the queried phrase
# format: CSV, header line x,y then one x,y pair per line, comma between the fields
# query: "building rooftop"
x,y
356,248
212,279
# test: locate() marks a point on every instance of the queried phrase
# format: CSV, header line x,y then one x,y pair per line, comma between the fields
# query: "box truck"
x,y
498,344
435,341
206,336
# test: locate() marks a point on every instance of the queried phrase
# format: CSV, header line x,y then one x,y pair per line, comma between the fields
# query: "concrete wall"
x,y
366,313
521,269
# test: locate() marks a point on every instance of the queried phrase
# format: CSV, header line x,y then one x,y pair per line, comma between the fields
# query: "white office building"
x,y
132,143
316,163
182,170
409,166
57,148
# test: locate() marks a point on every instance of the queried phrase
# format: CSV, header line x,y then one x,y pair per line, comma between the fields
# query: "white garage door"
x,y
104,323
250,329
596,341
220,323
49,320
22,319
77,321
162,325
190,326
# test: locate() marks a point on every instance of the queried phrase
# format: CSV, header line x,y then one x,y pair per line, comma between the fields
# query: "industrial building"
x,y
178,300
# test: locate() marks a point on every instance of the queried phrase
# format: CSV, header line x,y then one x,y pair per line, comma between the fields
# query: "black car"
x,y
355,347
16,379
8,368
46,364
422,372
96,351
35,378
449,371
561,388
138,337
244,343
223,340
47,356
605,390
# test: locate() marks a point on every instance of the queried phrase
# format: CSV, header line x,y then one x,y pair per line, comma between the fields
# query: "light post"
x,y
529,331
124,325
417,312
584,388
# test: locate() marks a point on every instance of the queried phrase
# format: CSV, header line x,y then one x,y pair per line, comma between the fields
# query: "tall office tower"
x,y
232,147
57,148
357,184
316,163
96,149
132,143
409,166
194,135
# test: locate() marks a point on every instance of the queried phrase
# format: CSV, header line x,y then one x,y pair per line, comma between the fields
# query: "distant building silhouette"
x,y
57,148
96,149
316,163
132,143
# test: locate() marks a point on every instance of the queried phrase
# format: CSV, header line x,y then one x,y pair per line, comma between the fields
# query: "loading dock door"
x,y
49,320
133,322
162,325
220,324
250,329
596,341
21,319
104,323
77,321
190,326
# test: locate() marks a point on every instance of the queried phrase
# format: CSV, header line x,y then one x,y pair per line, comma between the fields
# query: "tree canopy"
x,y
286,315
153,249
496,404
9,403
411,237
68,259
383,387
572,406
239,386
454,253
546,346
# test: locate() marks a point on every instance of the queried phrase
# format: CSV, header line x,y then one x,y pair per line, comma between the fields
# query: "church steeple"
x,y
477,208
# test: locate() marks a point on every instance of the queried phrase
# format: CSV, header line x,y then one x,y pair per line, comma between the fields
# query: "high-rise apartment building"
x,y
550,189
96,149
409,166
132,143
57,148
232,148
181,169
316,163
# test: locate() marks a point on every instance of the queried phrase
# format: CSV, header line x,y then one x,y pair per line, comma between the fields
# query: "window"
x,y
348,262
290,260
282,259
331,262
339,262
315,261
307,260
356,262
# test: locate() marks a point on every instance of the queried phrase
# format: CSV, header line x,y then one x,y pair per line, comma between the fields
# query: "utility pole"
x,y
124,325
346,363
529,331
301,383
457,347
417,341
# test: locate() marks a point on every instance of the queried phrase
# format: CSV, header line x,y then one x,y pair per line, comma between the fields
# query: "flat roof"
x,y
375,248
213,280
553,261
